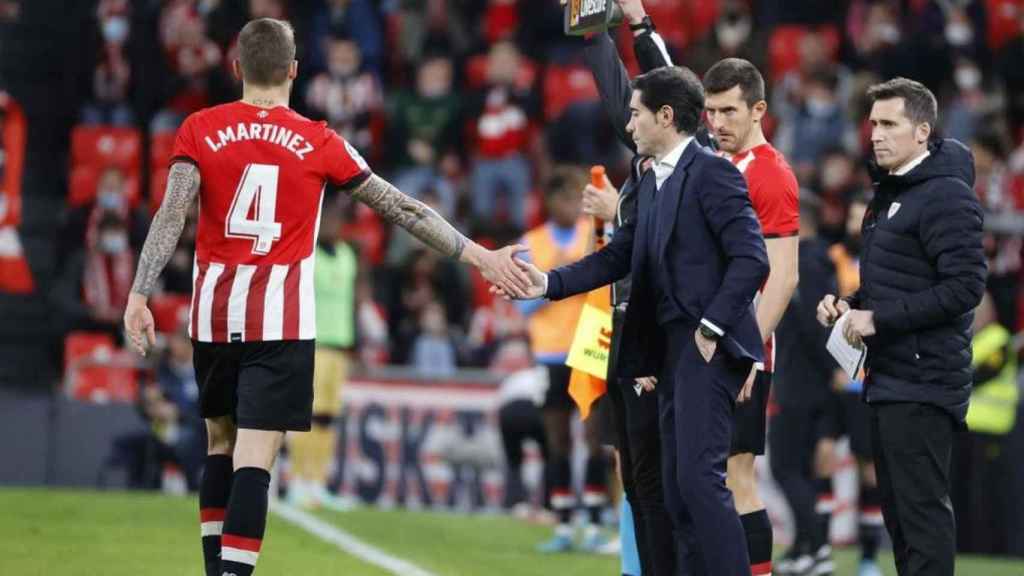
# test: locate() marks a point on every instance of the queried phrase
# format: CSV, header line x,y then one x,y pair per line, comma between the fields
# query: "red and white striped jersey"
x,y
262,174
775,195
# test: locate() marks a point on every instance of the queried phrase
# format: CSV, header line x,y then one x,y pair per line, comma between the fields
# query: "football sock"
x,y
245,521
824,508
214,489
759,541
562,499
871,522
595,488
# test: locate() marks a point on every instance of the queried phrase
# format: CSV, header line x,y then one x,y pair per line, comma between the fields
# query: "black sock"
x,y
563,502
759,541
245,521
823,511
870,522
595,487
214,489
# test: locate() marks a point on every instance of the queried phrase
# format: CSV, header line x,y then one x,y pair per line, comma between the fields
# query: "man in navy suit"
x,y
697,257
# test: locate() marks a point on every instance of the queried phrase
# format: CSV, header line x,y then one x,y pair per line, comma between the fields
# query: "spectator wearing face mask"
x,y
93,290
968,102
734,35
112,75
817,125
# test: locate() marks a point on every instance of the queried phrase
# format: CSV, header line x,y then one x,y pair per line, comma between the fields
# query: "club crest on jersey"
x,y
262,114
893,209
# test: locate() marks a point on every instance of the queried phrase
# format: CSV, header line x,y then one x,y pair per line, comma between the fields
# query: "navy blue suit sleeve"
x,y
951,233
607,265
728,212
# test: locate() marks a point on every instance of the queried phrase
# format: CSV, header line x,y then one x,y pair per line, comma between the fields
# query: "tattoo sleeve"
x,y
182,187
416,217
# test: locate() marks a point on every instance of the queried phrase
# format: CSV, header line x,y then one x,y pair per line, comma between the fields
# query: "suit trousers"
x,y
912,447
635,419
696,403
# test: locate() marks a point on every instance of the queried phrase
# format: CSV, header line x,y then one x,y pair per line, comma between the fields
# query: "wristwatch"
x,y
708,333
645,24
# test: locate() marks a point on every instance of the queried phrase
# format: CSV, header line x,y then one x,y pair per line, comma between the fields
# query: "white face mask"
x,y
967,77
889,34
109,200
113,242
115,29
959,33
733,34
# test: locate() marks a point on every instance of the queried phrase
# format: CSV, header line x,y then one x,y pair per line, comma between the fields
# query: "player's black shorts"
x,y
557,396
846,414
855,423
263,385
750,419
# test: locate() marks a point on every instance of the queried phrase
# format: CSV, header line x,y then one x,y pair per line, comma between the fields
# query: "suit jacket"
x,y
710,246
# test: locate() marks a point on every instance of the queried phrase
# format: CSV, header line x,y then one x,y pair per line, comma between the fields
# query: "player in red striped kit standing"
x,y
735,105
259,170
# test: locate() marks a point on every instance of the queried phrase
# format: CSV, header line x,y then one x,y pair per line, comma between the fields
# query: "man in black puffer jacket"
x,y
922,275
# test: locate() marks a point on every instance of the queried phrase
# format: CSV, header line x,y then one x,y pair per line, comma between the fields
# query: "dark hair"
x,y
919,104
676,87
565,179
266,49
825,76
731,72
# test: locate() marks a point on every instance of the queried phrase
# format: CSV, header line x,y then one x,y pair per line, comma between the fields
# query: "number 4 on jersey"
x,y
256,195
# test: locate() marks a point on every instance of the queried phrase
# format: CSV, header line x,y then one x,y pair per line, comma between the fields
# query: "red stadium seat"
x,y
101,146
567,85
84,181
95,370
1003,21
784,47
368,232
169,311
161,146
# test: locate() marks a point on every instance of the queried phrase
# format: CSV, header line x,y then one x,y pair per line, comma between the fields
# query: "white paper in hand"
x,y
849,357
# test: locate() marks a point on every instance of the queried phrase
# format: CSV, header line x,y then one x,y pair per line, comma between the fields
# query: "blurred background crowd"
x,y
468,105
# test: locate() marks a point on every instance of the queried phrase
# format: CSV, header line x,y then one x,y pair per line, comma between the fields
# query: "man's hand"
x,y
632,10
602,203
647,383
499,267
537,281
860,325
830,309
705,346
748,387
138,323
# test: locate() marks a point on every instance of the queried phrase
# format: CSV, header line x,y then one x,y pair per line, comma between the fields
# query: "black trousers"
x,y
792,438
635,418
912,445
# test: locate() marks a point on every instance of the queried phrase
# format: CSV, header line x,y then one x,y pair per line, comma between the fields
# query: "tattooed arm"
x,y
498,267
164,232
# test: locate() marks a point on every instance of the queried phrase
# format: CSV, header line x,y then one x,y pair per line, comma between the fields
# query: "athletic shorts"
x,y
855,423
750,419
262,385
330,369
557,397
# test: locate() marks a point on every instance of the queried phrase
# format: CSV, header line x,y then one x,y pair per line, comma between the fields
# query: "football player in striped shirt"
x,y
259,171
